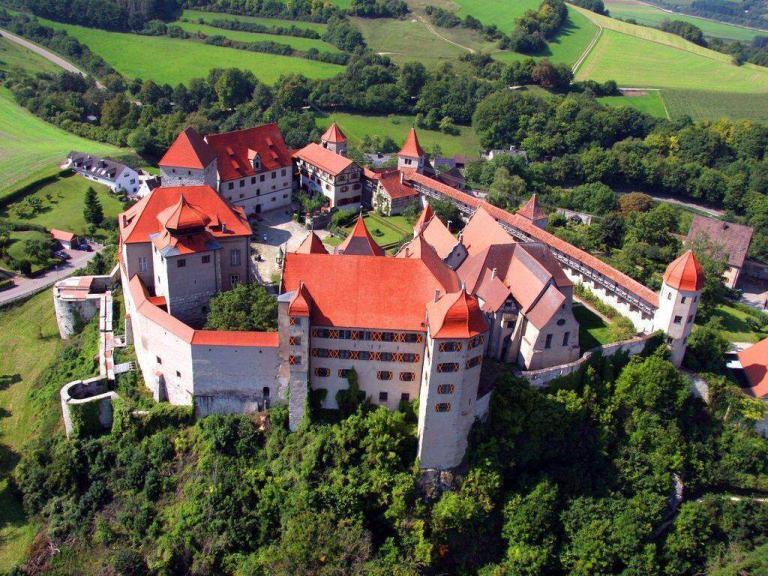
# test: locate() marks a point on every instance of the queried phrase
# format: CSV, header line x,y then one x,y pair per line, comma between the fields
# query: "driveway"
x,y
275,231
754,295
27,286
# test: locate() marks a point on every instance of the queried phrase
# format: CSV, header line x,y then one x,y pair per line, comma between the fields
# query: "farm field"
x,y
650,102
182,60
356,126
708,105
64,209
15,56
653,16
29,343
31,148
294,42
500,12
208,16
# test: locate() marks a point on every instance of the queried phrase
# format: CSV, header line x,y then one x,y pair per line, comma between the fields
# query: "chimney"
x,y
437,295
402,177
223,226
493,273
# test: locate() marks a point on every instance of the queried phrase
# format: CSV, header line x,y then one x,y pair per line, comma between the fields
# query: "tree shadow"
x,y
8,380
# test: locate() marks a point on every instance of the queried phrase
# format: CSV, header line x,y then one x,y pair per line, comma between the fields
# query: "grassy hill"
x,y
15,56
698,81
171,60
31,148
240,36
651,15
195,14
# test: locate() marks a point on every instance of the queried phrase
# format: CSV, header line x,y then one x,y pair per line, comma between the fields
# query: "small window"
x,y
383,396
445,389
234,279
143,264
294,340
450,346
407,376
181,263
322,372
561,322
206,259
178,374
265,392
274,175
230,185
159,360
282,172
234,257
669,295
294,360
548,341
684,299
472,362
242,195
678,319
695,298
344,372
405,397
253,179
261,178
448,367
690,318
242,182
443,407
384,375
566,337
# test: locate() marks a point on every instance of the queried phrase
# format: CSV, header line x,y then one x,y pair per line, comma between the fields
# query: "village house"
x,y
727,240
250,168
333,176
65,239
754,363
118,177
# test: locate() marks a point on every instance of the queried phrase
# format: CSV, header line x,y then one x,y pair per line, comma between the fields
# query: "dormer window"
x,y
255,159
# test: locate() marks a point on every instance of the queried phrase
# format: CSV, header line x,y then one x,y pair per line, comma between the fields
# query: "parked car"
x,y
62,255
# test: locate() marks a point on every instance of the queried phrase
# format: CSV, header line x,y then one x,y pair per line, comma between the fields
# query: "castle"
x,y
415,325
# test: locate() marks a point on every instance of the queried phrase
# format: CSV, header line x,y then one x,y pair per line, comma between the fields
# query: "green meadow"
x,y
294,42
172,61
15,56
30,148
208,16
650,15
356,126
650,102
711,105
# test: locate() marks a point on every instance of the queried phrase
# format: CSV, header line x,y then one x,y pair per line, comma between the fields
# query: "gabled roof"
x,y
334,135
545,307
483,231
392,184
456,315
140,221
169,244
359,242
439,237
323,158
299,304
420,248
733,238
412,148
754,360
532,210
364,291
189,150
62,235
685,273
425,216
235,150
311,245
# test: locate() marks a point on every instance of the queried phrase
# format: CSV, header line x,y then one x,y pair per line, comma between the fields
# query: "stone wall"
x,y
81,393
540,378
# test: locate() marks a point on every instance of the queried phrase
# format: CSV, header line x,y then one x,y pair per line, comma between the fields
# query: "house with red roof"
x,y
724,240
321,171
250,168
392,194
334,140
754,363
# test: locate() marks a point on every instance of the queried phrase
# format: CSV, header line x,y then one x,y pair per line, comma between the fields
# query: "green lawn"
x,y
356,126
650,15
500,12
294,42
16,249
735,325
31,148
385,230
639,62
650,102
208,16
29,343
593,330
63,202
172,61
15,56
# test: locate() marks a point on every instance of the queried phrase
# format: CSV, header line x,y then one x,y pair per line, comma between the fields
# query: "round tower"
x,y
678,302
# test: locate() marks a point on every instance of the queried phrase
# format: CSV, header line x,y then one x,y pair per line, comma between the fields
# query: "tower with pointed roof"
x,y
360,242
678,302
189,162
451,378
412,155
533,212
334,140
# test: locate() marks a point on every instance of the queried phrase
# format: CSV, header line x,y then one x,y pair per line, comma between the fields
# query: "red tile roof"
x,y
235,150
733,238
183,216
754,360
395,188
140,220
439,237
334,135
685,273
145,306
456,315
364,291
63,235
420,248
323,158
528,228
545,307
299,304
311,245
425,216
189,150
412,148
359,242
532,210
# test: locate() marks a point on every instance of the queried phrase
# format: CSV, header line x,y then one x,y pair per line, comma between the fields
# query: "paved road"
x,y
714,212
27,286
45,53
